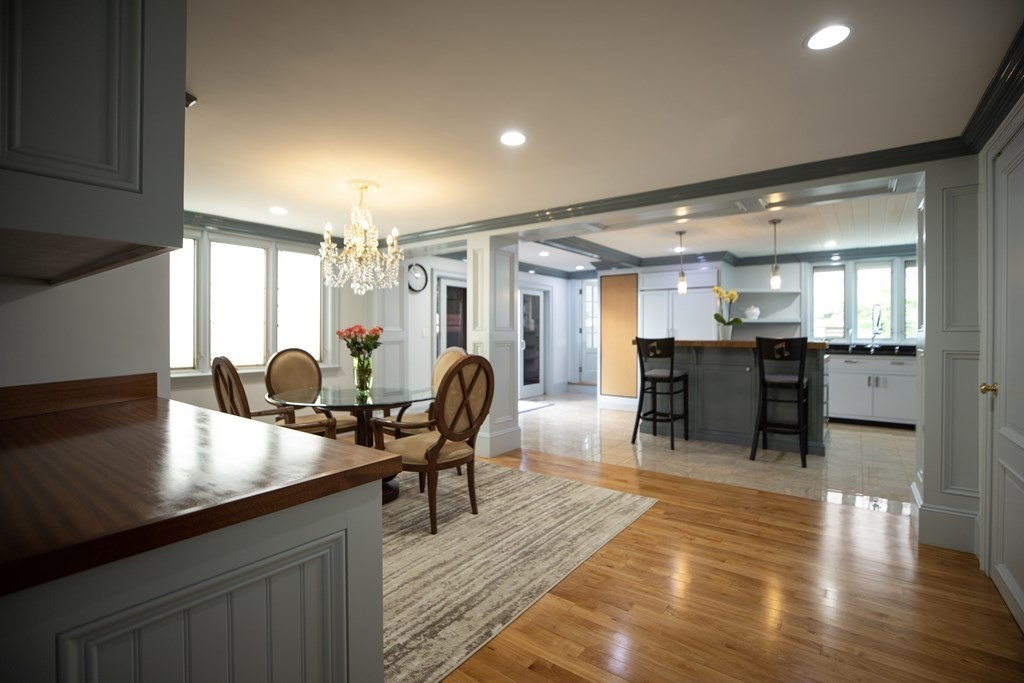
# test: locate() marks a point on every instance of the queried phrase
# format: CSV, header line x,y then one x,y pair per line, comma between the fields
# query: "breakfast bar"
x,y
724,394
144,536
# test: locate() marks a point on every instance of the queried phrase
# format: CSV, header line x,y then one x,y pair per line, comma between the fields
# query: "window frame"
x,y
897,266
204,237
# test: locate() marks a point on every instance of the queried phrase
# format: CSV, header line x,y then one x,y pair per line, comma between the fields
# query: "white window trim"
x,y
329,300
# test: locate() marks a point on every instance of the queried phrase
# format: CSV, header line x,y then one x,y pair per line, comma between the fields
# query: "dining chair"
x,y
231,399
297,369
421,420
462,403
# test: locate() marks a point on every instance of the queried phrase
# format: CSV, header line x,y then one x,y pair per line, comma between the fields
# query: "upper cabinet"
x,y
91,134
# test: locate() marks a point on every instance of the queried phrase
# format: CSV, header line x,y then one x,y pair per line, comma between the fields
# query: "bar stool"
x,y
784,382
678,382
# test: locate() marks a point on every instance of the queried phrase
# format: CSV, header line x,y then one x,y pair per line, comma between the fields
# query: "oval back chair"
x,y
231,399
297,369
462,404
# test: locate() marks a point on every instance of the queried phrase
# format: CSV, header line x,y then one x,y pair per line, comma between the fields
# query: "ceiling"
x,y
297,99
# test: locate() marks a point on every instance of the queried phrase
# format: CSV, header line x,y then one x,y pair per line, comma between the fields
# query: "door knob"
x,y
990,388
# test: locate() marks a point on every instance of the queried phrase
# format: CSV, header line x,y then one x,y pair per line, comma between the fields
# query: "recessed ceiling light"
x,y
682,220
830,36
835,257
531,272
580,267
830,244
544,253
512,138
278,210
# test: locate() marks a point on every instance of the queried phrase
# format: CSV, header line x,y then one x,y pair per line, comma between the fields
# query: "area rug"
x,y
527,406
445,596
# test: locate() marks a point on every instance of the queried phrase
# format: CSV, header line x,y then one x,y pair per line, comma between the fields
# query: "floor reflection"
x,y
865,466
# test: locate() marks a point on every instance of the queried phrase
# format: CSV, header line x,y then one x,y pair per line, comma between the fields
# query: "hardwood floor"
x,y
723,583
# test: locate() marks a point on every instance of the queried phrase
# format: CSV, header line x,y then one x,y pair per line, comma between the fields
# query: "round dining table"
x,y
344,398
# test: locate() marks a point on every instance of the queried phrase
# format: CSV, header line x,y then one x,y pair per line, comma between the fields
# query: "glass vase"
x,y
362,373
724,332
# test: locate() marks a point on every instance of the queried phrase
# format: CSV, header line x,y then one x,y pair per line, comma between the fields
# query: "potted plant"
x,y
726,298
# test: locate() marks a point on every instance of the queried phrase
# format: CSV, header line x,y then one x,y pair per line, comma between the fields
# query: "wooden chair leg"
x,y
471,480
686,408
458,470
432,498
423,481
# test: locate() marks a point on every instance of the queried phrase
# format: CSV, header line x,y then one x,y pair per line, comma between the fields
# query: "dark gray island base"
x,y
724,391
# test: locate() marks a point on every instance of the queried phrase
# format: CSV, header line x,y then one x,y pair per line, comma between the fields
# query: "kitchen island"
x,y
724,394
146,539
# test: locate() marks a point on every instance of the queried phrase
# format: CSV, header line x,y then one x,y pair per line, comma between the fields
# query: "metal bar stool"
x,y
678,383
783,382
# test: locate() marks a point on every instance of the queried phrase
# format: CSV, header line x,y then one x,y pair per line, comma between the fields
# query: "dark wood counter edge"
x,y
30,571
714,344
35,399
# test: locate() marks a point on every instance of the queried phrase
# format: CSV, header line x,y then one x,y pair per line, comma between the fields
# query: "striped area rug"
x,y
445,596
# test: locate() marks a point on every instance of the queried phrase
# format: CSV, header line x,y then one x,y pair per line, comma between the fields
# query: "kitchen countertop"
x,y
89,485
748,344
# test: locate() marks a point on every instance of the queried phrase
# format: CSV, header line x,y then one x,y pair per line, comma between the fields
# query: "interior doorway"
x,y
451,307
531,336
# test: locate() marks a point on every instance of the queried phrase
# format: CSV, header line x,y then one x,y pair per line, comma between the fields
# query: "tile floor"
x,y
869,467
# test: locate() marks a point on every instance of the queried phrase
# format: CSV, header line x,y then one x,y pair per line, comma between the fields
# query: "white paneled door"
x,y
1006,403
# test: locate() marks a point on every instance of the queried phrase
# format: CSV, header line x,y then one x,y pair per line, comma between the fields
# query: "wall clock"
x,y
417,278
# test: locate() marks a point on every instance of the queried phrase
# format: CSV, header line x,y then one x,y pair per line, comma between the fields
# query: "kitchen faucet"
x,y
876,326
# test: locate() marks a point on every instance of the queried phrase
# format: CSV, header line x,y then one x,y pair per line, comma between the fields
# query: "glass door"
x,y
531,344
451,323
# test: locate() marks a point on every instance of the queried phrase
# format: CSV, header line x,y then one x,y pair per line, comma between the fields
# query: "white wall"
x,y
112,323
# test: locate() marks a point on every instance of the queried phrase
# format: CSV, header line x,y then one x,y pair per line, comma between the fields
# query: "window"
x,y
299,302
244,298
866,300
828,319
874,301
911,321
238,291
183,305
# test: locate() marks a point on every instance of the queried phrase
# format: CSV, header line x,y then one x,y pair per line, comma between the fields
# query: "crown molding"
x,y
1003,92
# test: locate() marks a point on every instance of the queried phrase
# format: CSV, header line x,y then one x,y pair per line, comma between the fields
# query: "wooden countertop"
x,y
90,485
749,344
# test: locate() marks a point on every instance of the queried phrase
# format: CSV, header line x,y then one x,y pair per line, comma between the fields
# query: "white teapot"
x,y
752,313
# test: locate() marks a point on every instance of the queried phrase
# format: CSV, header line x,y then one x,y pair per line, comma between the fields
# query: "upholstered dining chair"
x,y
227,386
461,405
297,369
421,420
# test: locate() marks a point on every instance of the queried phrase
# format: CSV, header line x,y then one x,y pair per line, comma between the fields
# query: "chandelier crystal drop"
x,y
360,263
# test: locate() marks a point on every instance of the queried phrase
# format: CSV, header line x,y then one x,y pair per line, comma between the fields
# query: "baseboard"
x,y
496,443
588,389
945,527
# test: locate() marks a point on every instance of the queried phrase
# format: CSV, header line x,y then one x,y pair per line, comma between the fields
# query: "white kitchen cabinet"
x,y
878,388
666,313
91,162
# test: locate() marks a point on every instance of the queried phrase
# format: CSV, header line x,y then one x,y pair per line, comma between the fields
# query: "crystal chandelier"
x,y
359,263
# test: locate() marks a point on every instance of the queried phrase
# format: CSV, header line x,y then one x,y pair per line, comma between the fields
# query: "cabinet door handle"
x,y
897,362
851,362
876,381
869,380
990,388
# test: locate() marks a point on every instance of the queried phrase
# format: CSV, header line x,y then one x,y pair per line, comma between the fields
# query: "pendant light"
x,y
775,283
681,283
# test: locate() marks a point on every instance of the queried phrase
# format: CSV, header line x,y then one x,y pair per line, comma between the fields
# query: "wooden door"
x,y
1006,408
618,330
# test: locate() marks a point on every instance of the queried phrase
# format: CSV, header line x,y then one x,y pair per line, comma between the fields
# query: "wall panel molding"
x,y
959,473
94,138
960,260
